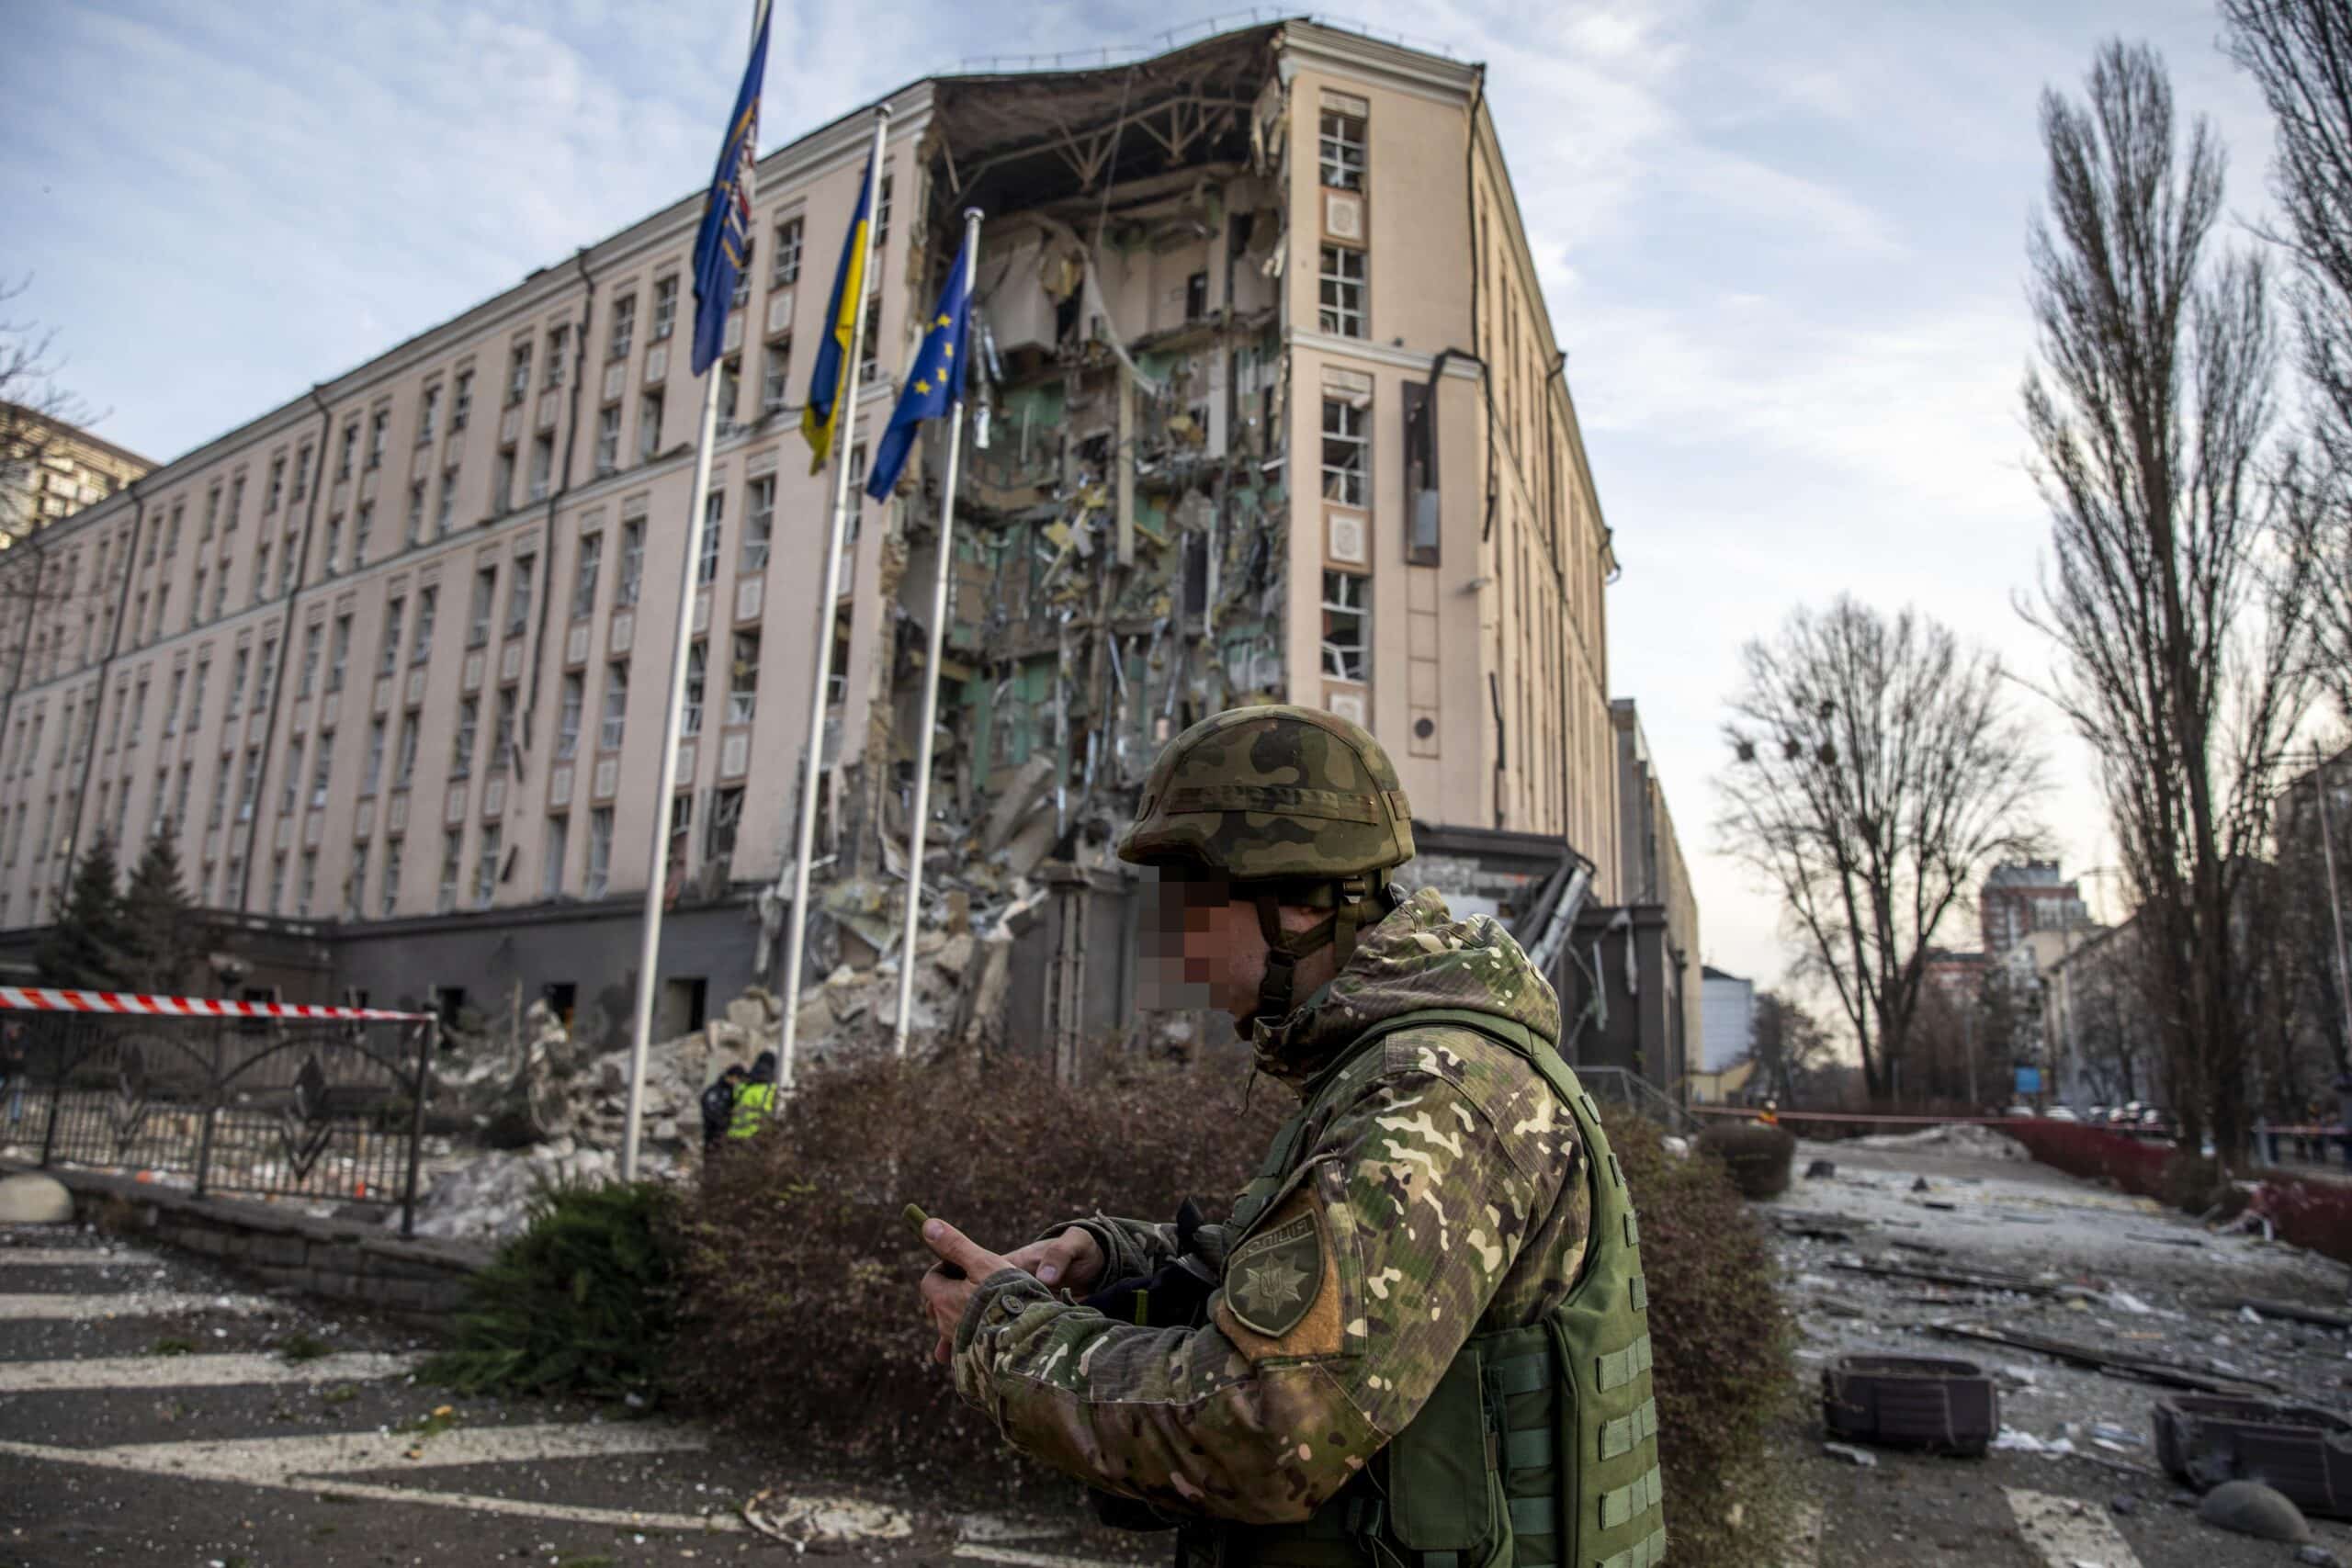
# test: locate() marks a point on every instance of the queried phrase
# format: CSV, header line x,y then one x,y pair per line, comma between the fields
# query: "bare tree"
x,y
1790,1045
1879,767
2300,53
2176,593
35,411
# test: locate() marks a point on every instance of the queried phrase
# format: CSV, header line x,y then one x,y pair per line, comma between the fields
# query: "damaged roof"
x,y
1017,140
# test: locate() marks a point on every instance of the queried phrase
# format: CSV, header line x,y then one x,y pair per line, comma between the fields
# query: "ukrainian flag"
x,y
821,418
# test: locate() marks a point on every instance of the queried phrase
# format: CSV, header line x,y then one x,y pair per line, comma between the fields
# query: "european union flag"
x,y
936,380
725,239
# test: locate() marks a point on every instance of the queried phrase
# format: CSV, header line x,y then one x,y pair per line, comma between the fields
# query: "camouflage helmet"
x,y
1273,794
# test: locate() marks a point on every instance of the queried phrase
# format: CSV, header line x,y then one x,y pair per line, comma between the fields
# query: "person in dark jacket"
x,y
719,1105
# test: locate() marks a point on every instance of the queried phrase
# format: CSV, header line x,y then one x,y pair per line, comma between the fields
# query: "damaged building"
x,y
1266,405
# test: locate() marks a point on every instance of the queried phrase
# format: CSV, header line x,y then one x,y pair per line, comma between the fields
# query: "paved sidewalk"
x,y
154,1409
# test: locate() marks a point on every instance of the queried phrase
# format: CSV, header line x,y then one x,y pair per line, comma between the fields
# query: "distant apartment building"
x,y
2023,896
50,469
1273,409
1728,1034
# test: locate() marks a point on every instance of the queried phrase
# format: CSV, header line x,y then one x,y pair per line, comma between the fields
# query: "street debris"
x,y
2172,1372
2248,1507
1968,1279
1932,1402
2304,1452
2319,1317
823,1524
1862,1458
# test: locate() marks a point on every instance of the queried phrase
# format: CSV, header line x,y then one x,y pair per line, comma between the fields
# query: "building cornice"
x,y
1460,368
1304,45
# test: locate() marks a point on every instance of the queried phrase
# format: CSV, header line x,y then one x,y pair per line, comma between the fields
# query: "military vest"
x,y
1538,1446
753,1102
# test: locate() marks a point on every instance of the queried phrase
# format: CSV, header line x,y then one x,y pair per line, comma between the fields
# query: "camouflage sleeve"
x,y
1129,1247
1342,1307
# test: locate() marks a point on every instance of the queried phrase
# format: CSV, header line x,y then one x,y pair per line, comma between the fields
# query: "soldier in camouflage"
x,y
1430,1212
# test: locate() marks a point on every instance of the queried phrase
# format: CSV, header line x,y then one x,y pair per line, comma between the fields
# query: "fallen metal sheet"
x,y
1968,1279
2173,1374
2318,1316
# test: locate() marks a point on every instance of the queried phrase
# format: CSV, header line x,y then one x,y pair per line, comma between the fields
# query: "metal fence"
x,y
320,1103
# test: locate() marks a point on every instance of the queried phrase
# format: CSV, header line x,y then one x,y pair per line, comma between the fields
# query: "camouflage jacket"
x,y
1447,1197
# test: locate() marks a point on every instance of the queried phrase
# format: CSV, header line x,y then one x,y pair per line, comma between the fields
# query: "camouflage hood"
x,y
1419,957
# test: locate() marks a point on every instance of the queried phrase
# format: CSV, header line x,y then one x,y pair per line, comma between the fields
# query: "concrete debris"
x,y
489,1199
1971,1139
2248,1507
2012,1440
1820,1168
30,1200
2315,1556
1861,1458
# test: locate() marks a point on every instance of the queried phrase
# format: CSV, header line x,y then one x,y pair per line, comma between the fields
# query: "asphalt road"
x,y
155,1410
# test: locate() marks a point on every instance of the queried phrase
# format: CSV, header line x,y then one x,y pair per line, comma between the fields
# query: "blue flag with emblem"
x,y
934,382
724,242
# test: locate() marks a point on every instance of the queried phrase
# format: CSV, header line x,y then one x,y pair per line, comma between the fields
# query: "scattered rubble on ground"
x,y
1965,1138
2043,1281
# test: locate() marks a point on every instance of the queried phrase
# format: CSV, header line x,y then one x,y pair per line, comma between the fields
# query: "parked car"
x,y
2061,1113
2019,1111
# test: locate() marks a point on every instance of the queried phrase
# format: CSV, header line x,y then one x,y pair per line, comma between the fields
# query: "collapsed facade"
x,y
1267,406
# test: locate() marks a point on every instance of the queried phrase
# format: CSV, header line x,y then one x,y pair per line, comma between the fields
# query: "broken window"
x,y
726,812
870,353
461,744
583,580
837,678
784,268
759,519
730,387
775,375
1344,451
1196,296
714,514
697,665
567,727
744,679
452,858
1420,474
600,851
615,705
1343,292
1347,627
1343,145
742,295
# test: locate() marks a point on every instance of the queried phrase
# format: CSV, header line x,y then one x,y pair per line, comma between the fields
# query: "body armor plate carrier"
x,y
1538,1446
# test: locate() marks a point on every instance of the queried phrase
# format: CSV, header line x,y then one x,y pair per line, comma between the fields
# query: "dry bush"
x,y
799,1315
1720,1343
797,1264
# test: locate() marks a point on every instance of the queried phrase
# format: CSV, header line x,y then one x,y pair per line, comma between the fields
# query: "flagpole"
x,y
657,863
921,819
828,595
658,859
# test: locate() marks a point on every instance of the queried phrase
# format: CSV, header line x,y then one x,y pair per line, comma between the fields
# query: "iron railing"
x,y
327,1110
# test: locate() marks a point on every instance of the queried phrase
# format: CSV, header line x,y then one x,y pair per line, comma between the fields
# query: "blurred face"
x,y
1200,948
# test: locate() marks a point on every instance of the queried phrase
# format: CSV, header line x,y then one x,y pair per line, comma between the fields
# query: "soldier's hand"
x,y
1071,1261
947,1288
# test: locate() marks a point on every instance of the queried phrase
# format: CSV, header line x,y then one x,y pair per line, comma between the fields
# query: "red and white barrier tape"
x,y
28,998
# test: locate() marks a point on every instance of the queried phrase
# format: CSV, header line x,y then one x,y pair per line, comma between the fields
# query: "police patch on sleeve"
x,y
1271,1278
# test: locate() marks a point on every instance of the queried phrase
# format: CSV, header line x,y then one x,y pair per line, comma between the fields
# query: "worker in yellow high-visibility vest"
x,y
755,1098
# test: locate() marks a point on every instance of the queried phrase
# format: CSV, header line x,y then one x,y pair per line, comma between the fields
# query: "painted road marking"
x,y
1020,1558
286,1459
74,1257
563,1513
125,1303
2068,1532
197,1371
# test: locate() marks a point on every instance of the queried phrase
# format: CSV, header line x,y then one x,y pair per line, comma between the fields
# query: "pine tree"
x,y
163,939
83,951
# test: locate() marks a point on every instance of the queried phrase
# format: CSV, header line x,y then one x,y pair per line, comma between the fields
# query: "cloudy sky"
x,y
1782,242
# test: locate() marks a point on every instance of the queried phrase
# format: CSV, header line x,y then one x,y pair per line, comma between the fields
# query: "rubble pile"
x,y
1969,1139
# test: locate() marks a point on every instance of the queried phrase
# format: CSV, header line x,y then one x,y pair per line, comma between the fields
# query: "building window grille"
x,y
1345,445
1343,292
1343,150
1347,627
